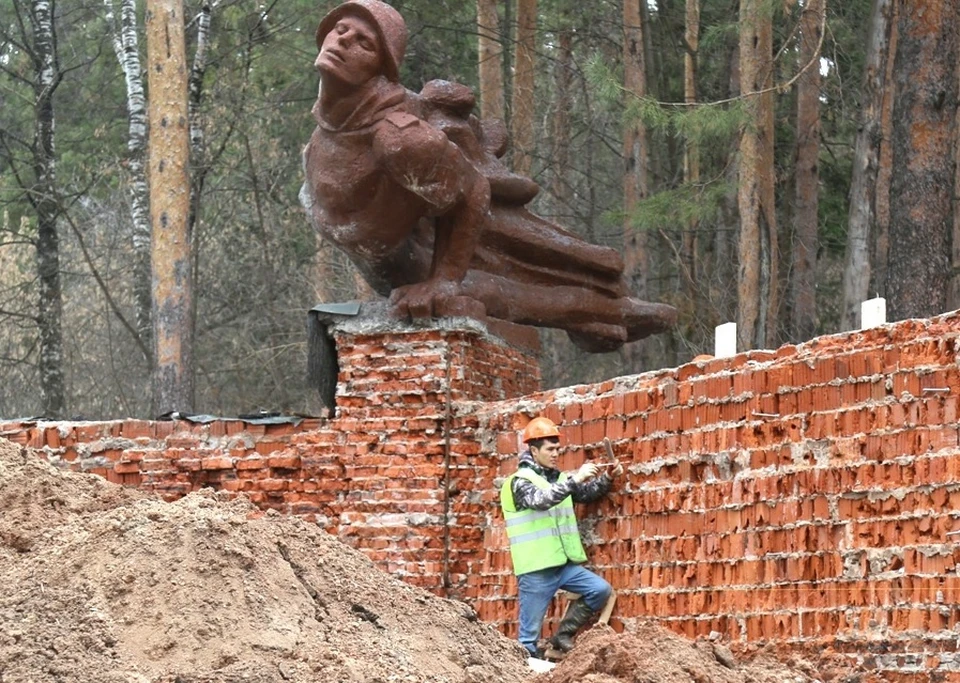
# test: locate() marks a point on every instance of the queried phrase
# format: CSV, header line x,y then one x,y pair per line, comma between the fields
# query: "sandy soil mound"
x,y
655,655
105,584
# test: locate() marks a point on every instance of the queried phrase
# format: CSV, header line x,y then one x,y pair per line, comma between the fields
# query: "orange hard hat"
x,y
540,428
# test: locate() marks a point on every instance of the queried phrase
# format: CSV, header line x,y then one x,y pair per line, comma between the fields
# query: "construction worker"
x,y
537,502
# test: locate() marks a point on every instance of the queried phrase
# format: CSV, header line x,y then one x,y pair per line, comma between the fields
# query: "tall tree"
x,y
691,151
867,191
560,188
523,103
173,383
636,152
757,279
33,165
924,135
803,284
44,199
953,300
490,60
127,49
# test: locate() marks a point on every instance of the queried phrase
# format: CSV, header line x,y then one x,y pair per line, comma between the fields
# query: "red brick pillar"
x,y
401,396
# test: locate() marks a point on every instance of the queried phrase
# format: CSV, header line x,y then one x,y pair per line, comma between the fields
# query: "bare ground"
x,y
101,583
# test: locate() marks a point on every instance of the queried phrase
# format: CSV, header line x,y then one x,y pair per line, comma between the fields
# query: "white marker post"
x,y
873,313
725,340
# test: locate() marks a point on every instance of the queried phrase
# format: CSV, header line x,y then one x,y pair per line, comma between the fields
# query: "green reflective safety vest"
x,y
540,538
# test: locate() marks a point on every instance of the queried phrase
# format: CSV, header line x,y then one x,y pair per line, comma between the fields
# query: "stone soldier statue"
x,y
411,188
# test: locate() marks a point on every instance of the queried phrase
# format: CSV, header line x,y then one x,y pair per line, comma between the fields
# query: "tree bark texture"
x,y
173,386
953,299
126,46
691,152
803,276
924,160
523,103
43,197
559,177
636,152
757,244
881,242
198,156
865,187
490,60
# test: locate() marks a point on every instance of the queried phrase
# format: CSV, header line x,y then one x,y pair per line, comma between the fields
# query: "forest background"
x,y
768,162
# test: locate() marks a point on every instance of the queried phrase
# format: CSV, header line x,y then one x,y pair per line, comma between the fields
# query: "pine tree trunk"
x,y
803,284
636,255
865,189
173,385
522,107
44,199
490,57
691,153
924,159
126,47
559,177
953,300
757,247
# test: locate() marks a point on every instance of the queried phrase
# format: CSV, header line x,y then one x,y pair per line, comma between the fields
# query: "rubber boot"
x,y
578,614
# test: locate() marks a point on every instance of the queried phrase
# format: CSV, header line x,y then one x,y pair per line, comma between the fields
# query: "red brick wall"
x,y
801,496
374,475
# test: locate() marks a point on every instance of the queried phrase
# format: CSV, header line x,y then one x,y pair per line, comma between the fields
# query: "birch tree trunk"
x,y
173,383
636,152
490,58
127,49
757,247
803,282
43,197
924,159
522,107
198,157
865,187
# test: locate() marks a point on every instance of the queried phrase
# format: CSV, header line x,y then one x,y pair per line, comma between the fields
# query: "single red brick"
x,y
218,463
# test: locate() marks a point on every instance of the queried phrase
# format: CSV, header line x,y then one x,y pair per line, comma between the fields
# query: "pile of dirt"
x,y
652,654
101,583
107,584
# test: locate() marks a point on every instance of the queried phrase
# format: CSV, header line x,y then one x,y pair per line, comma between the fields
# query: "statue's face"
x,y
350,52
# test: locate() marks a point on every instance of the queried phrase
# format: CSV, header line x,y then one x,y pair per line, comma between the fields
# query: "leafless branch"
x,y
106,292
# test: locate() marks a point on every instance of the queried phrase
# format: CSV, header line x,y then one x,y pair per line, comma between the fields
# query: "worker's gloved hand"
x,y
616,470
587,471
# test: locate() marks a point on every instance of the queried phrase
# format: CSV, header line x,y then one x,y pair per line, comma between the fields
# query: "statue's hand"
x,y
420,300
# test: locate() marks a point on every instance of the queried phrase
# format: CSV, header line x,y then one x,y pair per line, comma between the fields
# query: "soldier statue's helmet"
x,y
390,26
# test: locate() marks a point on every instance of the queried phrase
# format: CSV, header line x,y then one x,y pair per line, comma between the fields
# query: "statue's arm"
x,y
421,158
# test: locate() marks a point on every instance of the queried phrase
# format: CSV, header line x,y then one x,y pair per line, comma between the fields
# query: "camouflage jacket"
x,y
526,494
